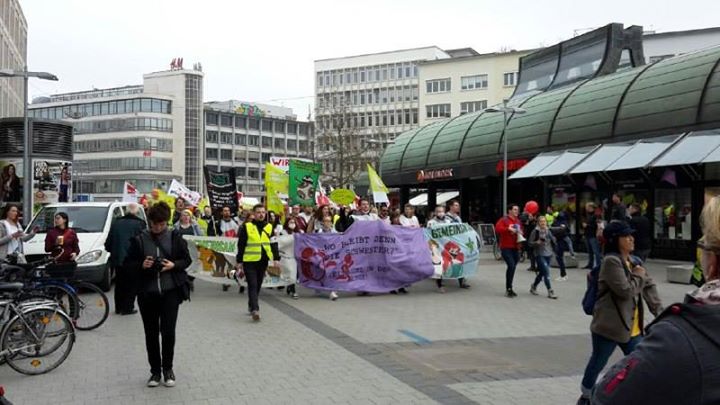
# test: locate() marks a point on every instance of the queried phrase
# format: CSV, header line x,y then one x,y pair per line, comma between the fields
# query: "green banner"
x,y
303,182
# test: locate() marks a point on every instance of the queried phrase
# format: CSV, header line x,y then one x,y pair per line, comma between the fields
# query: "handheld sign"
x,y
342,196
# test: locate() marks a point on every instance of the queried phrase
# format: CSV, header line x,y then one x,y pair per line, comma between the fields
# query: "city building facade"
x,y
466,83
663,45
13,55
372,97
247,135
147,134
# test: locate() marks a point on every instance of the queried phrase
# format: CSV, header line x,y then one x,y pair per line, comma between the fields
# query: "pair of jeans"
x,y
559,251
543,272
594,255
602,349
159,315
254,275
511,257
569,244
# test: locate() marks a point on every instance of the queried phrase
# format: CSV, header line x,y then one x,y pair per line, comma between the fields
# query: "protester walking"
x,y
561,231
384,214
408,219
441,218
316,219
187,225
348,217
528,221
619,210
179,208
227,226
159,258
618,315
542,241
254,253
210,220
453,211
12,235
290,229
641,225
590,231
508,228
122,230
676,362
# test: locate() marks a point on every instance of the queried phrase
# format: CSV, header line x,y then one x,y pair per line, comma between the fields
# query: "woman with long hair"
x,y
187,224
11,232
61,241
543,243
320,213
9,184
64,184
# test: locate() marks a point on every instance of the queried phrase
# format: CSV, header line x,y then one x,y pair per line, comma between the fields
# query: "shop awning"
x,y
421,200
694,148
535,166
601,158
643,153
566,161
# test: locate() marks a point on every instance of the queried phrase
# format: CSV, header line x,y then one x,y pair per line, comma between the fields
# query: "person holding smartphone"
x,y
159,257
11,233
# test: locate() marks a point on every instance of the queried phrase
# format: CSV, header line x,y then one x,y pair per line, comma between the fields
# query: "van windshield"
x,y
82,219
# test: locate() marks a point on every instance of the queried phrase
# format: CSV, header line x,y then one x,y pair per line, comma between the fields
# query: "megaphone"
x,y
520,238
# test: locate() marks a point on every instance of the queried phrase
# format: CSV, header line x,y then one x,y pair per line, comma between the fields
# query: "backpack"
x,y
591,291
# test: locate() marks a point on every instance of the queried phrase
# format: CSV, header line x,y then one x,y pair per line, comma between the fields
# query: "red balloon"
x,y
532,207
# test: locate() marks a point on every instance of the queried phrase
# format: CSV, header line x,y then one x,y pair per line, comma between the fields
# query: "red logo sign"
x,y
513,165
437,174
147,153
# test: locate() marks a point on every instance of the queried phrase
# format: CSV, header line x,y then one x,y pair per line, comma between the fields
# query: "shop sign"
x,y
513,165
436,174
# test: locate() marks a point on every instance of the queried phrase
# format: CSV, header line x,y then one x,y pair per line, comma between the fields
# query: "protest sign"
x,y
303,182
214,259
178,190
276,186
370,256
221,188
342,196
455,250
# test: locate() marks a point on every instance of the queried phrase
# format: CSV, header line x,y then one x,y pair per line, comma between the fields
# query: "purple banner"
x,y
370,256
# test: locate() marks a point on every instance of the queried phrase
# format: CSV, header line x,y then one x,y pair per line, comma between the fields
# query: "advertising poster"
x,y
11,181
52,182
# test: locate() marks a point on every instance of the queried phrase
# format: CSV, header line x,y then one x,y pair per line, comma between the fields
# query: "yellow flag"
x,y
276,183
376,183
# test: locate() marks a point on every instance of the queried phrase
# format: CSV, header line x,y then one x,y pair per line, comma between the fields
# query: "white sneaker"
x,y
562,278
333,296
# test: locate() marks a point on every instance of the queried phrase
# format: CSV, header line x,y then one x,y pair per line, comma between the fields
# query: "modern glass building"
x,y
13,55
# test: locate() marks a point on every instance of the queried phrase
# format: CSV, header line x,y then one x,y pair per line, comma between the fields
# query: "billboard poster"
x,y
52,182
11,181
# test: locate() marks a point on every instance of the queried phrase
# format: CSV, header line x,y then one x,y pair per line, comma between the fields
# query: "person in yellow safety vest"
x,y
254,253
550,215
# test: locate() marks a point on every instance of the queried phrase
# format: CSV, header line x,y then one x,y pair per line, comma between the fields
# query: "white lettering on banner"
x,y
423,175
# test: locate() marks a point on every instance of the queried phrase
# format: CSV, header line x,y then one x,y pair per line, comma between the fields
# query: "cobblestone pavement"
x,y
465,346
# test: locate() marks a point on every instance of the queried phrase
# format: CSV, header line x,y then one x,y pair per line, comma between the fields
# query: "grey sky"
x,y
264,51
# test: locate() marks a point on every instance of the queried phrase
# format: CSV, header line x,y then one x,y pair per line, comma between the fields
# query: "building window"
x,y
211,153
239,122
254,124
279,127
303,146
253,140
279,143
225,154
291,144
211,136
266,142
437,86
267,125
510,79
291,128
240,139
226,120
253,173
265,157
438,110
226,138
472,106
474,82
253,156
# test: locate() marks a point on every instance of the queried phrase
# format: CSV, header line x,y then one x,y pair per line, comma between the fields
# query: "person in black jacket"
x,y
209,219
677,361
117,244
641,225
159,257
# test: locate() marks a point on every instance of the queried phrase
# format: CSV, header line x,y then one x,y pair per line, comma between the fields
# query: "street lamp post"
x,y
27,141
505,110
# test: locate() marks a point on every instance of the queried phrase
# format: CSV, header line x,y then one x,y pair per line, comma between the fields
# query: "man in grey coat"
x,y
117,244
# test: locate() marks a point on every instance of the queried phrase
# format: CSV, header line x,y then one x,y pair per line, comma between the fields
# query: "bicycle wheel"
x,y
38,340
64,296
93,306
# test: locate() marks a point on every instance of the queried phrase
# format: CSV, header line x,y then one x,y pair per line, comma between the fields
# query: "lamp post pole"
x,y
27,164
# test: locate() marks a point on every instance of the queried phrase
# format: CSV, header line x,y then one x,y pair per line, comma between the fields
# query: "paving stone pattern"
x,y
465,346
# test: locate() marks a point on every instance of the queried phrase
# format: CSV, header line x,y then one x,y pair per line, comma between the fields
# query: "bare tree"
x,y
339,145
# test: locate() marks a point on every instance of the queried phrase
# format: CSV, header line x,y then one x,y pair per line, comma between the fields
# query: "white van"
x,y
91,221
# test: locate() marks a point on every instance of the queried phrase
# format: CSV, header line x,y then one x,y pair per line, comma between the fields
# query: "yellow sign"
x,y
342,196
276,185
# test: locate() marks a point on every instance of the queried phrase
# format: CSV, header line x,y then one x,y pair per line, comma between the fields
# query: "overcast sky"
x,y
263,51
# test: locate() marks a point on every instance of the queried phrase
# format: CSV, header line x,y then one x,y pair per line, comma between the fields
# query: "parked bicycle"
x,y
84,302
36,336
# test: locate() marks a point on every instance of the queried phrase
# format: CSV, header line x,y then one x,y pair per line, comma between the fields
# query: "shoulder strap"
x,y
160,246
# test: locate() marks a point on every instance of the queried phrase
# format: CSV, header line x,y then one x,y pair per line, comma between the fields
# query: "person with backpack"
x,y
508,228
618,316
676,363
543,243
